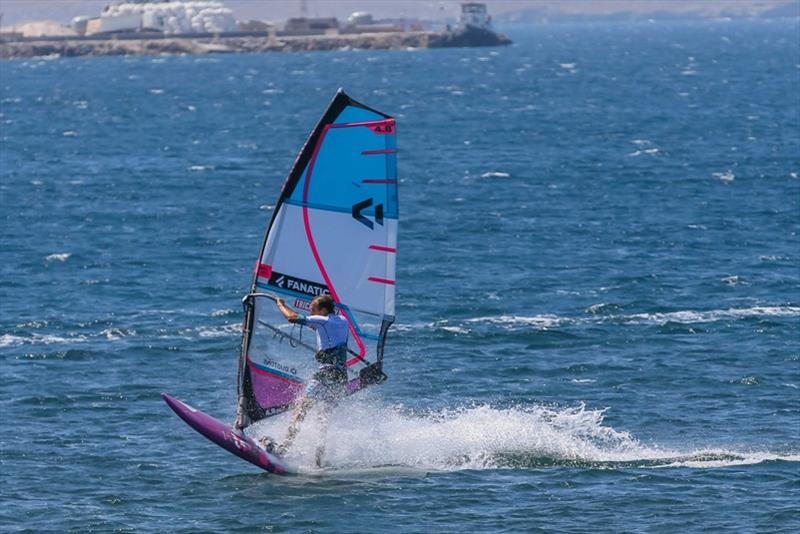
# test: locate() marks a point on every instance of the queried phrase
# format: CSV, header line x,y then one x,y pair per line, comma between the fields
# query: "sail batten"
x,y
333,231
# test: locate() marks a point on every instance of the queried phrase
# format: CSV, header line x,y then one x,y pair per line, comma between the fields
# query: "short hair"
x,y
324,302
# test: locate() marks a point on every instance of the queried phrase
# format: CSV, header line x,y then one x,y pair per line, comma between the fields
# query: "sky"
x,y
19,11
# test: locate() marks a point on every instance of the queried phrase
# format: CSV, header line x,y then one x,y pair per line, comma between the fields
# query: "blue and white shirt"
x,y
331,329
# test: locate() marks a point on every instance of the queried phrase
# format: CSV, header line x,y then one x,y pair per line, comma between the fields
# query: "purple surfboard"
x,y
224,436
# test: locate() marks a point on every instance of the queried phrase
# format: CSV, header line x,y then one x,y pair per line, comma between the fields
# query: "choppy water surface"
x,y
598,287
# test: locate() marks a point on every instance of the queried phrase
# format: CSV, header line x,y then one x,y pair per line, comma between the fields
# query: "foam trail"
x,y
10,340
549,321
366,435
62,257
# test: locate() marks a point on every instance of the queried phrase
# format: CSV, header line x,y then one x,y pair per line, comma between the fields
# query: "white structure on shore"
x,y
474,15
168,17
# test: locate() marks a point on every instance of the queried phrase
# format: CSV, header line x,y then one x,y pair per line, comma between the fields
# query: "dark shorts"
x,y
322,388
329,384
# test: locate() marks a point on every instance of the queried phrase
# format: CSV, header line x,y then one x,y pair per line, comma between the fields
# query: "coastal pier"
x,y
141,29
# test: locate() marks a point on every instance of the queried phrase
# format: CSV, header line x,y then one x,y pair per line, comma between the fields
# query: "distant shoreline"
x,y
243,43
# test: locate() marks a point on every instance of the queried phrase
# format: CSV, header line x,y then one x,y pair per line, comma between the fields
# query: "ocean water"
x,y
598,319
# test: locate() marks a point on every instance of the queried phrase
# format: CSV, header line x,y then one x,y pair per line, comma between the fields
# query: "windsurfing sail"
x,y
333,231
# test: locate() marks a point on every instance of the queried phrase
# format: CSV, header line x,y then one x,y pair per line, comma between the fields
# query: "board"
x,y
223,435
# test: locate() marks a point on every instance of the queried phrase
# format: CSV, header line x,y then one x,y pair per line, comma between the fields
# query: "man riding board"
x,y
329,383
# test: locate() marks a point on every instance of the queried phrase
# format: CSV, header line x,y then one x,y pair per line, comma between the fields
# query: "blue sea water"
x,y
598,315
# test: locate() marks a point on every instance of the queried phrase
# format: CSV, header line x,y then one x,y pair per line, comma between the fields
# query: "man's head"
x,y
322,305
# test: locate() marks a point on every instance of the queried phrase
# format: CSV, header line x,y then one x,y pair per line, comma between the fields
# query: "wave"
x,y
536,321
201,168
710,458
364,435
495,174
10,340
605,313
231,329
113,334
646,152
467,326
726,176
208,331
62,257
117,334
691,316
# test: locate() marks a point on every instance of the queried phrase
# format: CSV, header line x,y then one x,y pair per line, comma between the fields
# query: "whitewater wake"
x,y
368,435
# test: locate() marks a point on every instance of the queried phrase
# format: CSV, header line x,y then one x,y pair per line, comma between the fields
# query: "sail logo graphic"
x,y
275,365
364,204
298,285
302,304
386,128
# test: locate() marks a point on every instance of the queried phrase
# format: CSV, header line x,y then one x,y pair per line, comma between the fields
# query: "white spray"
x,y
365,434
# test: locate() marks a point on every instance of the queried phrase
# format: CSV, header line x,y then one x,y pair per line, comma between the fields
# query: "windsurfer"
x,y
328,384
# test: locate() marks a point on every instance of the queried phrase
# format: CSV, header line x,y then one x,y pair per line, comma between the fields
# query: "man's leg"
x,y
299,413
322,419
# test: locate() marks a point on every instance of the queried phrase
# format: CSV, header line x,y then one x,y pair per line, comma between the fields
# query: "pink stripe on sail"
x,y
264,271
273,375
384,122
382,249
381,280
382,151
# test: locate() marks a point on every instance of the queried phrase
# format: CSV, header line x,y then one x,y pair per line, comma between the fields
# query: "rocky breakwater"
x,y
235,44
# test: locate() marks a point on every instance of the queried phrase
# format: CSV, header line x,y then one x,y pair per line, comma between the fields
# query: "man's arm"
x,y
287,312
